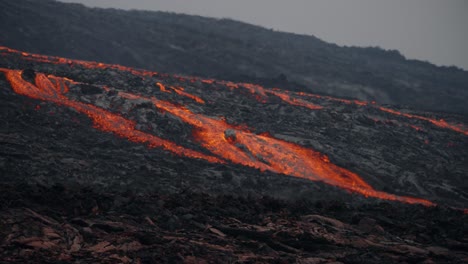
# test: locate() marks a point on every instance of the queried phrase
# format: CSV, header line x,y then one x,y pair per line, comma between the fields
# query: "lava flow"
x,y
346,101
267,153
180,91
104,120
85,64
293,101
439,123
258,91
226,142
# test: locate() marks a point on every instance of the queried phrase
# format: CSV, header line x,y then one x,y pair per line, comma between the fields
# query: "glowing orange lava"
x,y
261,94
180,91
346,101
267,153
54,90
439,123
294,101
85,64
162,87
258,91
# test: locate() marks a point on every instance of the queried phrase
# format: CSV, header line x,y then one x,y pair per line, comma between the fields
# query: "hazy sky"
x,y
432,30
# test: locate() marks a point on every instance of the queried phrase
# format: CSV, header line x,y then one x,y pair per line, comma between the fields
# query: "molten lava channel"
x,y
439,123
52,89
258,91
267,153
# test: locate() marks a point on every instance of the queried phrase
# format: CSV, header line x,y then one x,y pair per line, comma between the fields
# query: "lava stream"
x,y
258,91
346,101
85,64
180,91
260,94
268,153
293,101
440,123
46,90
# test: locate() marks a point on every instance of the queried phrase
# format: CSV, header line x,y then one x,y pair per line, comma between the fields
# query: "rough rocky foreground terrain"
x,y
106,163
58,225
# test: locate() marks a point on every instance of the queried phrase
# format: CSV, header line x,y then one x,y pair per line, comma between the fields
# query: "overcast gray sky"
x,y
431,30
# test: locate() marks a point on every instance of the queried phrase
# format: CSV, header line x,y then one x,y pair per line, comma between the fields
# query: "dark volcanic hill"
x,y
107,163
230,50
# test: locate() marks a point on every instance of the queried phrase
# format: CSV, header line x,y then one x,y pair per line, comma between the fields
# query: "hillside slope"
x,y
72,112
229,50
107,164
